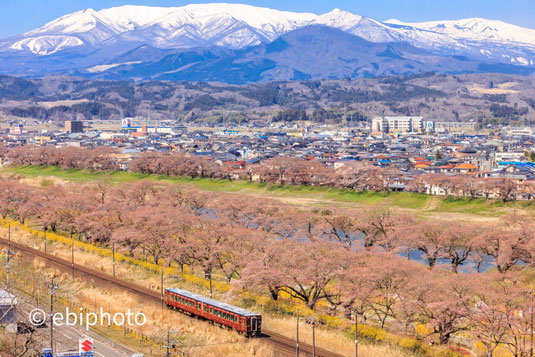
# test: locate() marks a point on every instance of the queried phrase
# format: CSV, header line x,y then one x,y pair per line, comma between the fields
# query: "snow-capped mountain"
x,y
476,29
92,38
228,25
478,38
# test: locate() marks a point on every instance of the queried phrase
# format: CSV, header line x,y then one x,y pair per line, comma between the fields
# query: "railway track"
x,y
284,346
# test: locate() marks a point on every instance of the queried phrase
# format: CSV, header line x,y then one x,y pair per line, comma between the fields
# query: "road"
x,y
67,337
68,341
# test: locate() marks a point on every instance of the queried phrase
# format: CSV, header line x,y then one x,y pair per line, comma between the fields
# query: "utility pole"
x,y
297,336
356,341
161,286
208,276
210,283
113,255
53,287
313,339
8,253
72,257
531,308
168,346
45,240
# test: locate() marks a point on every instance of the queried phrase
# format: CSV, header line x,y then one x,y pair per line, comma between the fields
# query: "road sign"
x,y
86,345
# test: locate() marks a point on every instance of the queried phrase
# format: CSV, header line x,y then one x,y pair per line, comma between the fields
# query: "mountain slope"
x,y
133,41
232,25
478,38
113,31
310,52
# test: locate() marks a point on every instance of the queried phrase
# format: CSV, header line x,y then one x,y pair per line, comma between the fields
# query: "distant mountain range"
x,y
241,43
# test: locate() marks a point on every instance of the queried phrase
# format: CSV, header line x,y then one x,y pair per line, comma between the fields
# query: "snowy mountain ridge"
x,y
237,26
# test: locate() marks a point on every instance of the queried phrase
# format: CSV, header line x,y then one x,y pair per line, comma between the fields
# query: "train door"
x,y
254,324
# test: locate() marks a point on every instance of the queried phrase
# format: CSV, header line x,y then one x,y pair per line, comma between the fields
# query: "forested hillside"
x,y
486,97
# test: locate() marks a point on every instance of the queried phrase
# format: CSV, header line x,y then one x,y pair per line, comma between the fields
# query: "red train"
x,y
241,320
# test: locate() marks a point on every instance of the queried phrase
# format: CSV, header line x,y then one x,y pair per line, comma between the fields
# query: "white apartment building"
x,y
508,156
521,131
398,124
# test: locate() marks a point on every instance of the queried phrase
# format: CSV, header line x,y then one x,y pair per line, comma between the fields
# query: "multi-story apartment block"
x,y
398,124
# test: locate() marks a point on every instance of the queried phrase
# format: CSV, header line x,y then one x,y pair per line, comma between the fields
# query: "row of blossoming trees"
x,y
394,270
278,170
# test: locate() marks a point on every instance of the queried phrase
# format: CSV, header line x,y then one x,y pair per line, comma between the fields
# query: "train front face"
x,y
254,325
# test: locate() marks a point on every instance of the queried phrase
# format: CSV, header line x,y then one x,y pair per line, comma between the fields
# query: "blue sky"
x,y
17,16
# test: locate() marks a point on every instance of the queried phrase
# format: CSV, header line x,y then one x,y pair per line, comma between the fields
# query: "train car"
x,y
241,320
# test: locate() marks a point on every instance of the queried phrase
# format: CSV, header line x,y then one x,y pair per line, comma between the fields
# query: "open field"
x,y
503,88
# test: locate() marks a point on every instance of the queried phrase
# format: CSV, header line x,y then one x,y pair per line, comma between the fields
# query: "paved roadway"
x,y
66,337
68,341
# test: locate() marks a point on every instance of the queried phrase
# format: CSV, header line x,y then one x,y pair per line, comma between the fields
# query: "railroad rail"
x,y
284,346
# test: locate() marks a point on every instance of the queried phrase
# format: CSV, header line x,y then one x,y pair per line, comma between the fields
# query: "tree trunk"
x,y
274,292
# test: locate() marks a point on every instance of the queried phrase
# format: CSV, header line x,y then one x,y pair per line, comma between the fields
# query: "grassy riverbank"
x,y
321,195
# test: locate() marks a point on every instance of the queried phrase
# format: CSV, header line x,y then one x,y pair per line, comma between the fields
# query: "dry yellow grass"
x,y
197,338
504,88
222,342
330,339
58,103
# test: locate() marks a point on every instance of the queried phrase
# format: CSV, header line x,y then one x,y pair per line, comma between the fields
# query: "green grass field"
x,y
414,201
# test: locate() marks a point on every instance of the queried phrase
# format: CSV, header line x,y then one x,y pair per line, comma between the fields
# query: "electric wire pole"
x,y
53,287
72,257
356,341
297,336
210,283
313,339
8,254
168,346
113,255
531,337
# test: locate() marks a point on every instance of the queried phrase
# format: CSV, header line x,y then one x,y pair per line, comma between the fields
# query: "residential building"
x,y
399,124
74,126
